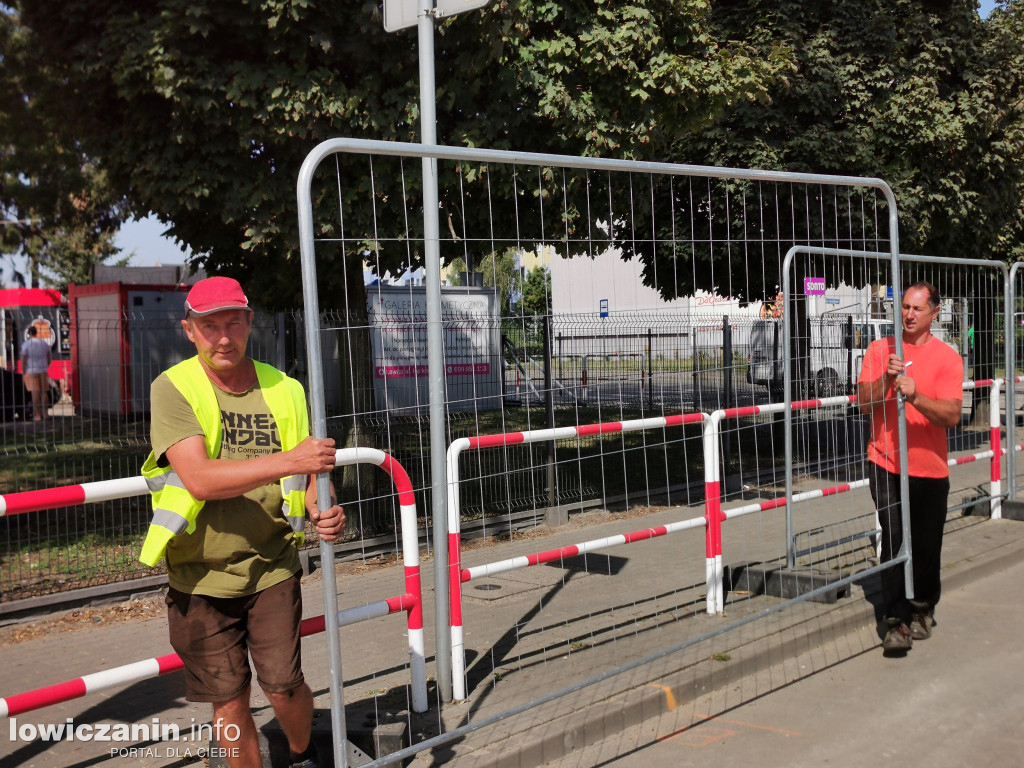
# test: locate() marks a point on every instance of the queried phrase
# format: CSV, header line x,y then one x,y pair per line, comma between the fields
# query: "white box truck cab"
x,y
837,346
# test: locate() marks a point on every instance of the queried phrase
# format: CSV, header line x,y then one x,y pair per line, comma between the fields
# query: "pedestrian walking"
x,y
36,357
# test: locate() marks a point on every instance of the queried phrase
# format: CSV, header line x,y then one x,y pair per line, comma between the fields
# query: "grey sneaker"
x,y
920,626
898,639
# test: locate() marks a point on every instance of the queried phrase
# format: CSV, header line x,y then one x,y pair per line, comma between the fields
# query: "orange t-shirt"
x,y
938,372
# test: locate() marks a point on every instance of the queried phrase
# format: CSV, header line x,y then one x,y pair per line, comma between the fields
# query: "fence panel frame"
x,y
1012,379
429,154
896,258
457,575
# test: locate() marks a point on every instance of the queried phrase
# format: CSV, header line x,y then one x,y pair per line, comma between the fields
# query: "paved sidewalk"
x,y
635,604
948,703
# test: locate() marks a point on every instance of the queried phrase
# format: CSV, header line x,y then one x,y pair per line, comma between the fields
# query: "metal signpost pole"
x,y
399,14
1011,325
435,352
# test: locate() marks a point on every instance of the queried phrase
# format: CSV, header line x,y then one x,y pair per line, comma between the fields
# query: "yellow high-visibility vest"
x,y
174,508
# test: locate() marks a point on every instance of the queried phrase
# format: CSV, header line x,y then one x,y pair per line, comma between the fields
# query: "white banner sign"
x,y
473,358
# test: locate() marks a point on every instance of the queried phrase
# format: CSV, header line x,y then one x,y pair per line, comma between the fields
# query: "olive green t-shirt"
x,y
242,545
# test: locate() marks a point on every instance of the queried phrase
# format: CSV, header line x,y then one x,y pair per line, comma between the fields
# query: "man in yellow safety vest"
x,y
232,474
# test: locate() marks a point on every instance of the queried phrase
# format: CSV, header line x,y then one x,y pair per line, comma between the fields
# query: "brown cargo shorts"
x,y
215,636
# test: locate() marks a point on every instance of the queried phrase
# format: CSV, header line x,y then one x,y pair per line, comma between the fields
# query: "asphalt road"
x,y
956,699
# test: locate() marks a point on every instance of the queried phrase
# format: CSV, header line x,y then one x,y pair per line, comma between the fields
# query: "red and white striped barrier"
x,y
558,555
995,476
713,512
72,495
712,520
410,603
713,502
715,600
817,493
455,573
82,686
161,665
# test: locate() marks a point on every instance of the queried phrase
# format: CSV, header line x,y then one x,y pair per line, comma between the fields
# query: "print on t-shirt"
x,y
249,434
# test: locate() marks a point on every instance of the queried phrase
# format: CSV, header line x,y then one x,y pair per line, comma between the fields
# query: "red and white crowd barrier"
x,y
715,515
995,476
713,486
455,573
411,603
712,519
72,495
123,675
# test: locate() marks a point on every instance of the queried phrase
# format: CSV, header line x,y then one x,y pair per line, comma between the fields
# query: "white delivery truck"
x,y
837,346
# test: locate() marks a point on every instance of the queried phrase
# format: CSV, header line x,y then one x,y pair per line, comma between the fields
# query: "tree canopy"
x,y
521,292
926,96
536,290
203,110
57,207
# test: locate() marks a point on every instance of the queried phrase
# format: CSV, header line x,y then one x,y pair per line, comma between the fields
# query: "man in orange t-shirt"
x,y
930,379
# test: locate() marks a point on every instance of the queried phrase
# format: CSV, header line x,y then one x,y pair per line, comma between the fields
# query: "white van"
x,y
838,343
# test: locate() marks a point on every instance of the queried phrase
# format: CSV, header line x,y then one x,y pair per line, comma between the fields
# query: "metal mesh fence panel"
x,y
1015,372
710,249
828,348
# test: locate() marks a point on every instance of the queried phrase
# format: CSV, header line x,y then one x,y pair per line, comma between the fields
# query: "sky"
x,y
143,240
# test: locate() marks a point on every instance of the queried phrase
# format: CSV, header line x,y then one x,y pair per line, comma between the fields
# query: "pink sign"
x,y
814,286
468,369
400,371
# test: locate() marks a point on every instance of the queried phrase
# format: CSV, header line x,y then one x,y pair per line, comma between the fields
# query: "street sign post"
x,y
399,14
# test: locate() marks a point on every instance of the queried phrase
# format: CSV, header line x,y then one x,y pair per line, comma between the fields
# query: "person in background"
x,y
36,357
929,377
233,473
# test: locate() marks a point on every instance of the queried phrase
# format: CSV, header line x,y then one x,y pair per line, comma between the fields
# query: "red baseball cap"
x,y
215,294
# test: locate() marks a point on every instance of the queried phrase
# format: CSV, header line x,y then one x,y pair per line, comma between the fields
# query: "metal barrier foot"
x,y
274,745
1013,509
781,582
